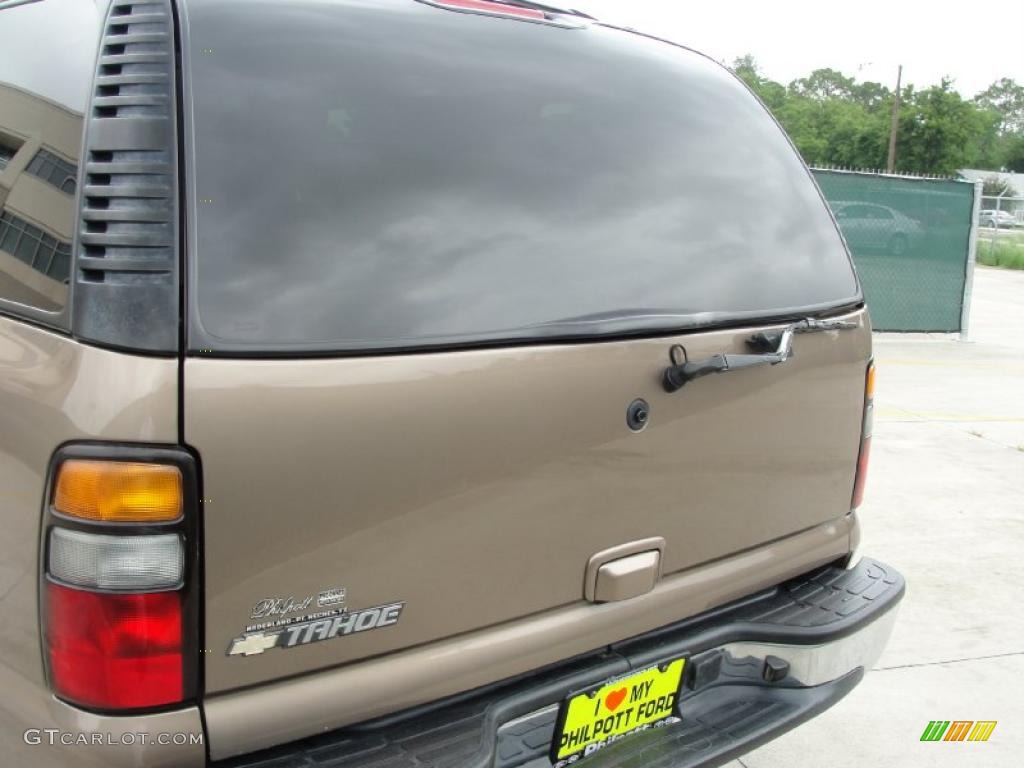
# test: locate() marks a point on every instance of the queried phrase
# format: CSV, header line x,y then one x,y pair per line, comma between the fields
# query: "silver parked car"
x,y
993,218
872,227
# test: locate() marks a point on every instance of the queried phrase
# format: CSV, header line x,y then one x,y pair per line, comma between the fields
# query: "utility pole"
x,y
890,165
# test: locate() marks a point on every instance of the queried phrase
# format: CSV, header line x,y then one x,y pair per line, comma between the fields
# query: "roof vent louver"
x,y
126,259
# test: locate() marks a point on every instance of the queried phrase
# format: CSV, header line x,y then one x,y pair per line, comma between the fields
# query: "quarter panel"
x,y
52,390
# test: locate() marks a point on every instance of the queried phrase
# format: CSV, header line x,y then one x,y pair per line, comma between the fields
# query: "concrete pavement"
x,y
945,505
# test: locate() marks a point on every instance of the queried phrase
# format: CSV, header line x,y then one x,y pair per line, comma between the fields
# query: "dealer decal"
x,y
312,628
591,720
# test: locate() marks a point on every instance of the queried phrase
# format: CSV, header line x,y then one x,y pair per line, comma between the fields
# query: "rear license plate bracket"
x,y
615,709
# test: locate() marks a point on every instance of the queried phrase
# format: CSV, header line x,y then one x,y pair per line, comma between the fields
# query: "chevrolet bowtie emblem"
x,y
250,645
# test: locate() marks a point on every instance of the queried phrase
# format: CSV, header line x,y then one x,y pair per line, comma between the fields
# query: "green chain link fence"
x,y
911,240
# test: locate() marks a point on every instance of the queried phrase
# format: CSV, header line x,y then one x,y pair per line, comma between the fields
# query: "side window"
x,y
41,123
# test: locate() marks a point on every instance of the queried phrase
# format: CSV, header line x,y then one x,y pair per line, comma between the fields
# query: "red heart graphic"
x,y
614,699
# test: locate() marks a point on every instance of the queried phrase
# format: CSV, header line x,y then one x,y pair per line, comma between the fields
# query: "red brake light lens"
x,y
115,651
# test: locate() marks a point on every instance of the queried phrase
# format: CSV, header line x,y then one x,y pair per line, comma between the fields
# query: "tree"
x,y
1014,157
746,68
873,96
834,120
993,186
824,84
771,93
835,132
1006,98
986,148
936,130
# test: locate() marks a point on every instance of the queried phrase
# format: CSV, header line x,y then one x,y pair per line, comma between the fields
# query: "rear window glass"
x,y
392,174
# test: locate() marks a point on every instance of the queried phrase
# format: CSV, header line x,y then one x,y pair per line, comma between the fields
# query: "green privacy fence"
x,y
911,240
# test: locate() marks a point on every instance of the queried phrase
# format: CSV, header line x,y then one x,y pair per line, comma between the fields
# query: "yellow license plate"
x,y
601,716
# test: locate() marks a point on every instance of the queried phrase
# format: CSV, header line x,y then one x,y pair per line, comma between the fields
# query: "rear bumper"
x,y
757,668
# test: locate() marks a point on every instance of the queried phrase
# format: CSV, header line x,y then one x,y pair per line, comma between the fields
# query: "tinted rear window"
x,y
390,174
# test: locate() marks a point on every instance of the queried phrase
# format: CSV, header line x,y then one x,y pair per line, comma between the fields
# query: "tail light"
x,y
867,425
118,491
119,577
112,651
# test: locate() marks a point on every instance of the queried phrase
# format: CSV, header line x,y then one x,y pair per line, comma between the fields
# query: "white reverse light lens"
x,y
132,563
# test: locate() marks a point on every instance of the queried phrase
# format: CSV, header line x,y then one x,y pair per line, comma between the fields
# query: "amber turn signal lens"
x,y
118,491
869,385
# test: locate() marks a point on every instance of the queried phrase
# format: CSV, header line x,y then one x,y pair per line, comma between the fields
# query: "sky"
x,y
973,43
50,69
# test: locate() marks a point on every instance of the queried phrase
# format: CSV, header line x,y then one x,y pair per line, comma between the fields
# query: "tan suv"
x,y
380,385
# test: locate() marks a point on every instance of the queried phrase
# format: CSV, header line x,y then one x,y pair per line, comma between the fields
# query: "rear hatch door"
x,y
428,279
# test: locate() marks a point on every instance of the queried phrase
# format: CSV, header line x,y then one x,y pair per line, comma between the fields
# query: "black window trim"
x,y
314,350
